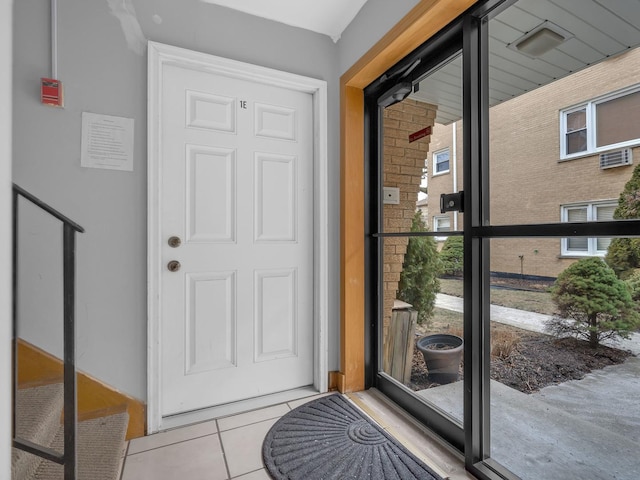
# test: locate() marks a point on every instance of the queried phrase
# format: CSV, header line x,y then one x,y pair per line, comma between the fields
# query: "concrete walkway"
x,y
539,441
528,320
588,428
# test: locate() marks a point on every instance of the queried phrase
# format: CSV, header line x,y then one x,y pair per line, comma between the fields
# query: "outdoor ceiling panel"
x,y
603,16
537,76
627,11
542,66
572,16
553,64
505,90
443,95
517,19
582,52
570,63
511,77
444,89
447,115
607,24
496,97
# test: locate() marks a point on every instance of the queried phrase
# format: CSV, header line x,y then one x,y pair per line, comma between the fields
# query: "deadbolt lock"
x,y
173,266
174,242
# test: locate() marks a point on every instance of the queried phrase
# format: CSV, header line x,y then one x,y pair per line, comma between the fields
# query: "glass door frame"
x,y
469,34
431,55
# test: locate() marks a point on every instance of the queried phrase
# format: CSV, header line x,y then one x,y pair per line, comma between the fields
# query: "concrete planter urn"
x,y
442,353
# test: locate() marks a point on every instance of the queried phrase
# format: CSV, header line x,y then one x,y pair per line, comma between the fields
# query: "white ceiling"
x,y
329,17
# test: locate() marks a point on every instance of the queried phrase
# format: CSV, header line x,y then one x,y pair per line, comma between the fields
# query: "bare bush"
x,y
503,343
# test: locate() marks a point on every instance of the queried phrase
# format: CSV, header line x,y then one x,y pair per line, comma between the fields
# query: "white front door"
x,y
236,247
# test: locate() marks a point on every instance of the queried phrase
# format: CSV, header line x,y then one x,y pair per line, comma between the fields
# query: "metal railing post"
x,y
69,457
70,399
14,300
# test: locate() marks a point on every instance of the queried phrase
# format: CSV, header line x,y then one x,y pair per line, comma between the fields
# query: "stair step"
x,y
101,445
38,412
100,442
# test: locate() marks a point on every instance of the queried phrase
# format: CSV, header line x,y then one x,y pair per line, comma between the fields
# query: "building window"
x,y
441,224
602,124
441,162
587,212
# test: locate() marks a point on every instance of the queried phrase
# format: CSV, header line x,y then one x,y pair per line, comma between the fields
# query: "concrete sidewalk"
x,y
528,320
588,428
539,441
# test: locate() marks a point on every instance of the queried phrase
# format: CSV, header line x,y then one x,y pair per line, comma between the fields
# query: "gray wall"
x,y
104,72
103,69
373,21
5,235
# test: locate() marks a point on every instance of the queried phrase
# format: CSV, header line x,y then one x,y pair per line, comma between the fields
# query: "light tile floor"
x,y
231,447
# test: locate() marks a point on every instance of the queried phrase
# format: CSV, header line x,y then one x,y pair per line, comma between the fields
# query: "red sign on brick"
x,y
420,134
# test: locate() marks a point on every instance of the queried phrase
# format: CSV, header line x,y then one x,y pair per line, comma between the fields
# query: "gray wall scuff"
x,y
124,11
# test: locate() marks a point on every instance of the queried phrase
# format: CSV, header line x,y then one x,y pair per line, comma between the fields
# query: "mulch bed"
x,y
538,360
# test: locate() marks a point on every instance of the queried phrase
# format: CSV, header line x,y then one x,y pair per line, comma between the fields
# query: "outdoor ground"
x,y
521,359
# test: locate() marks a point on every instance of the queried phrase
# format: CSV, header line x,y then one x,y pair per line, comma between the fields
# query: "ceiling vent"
x,y
617,158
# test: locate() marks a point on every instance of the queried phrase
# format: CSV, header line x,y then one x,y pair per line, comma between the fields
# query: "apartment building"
x,y
560,153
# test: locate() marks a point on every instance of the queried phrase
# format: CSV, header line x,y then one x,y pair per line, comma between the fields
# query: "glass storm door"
x,y
501,177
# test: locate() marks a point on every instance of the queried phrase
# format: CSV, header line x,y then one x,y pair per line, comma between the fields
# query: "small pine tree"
x,y
633,283
593,303
629,200
419,282
623,254
452,256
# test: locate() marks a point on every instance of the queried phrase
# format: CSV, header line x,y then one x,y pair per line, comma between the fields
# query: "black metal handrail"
x,y
68,458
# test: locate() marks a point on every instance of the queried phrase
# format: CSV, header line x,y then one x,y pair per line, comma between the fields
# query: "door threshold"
x,y
444,459
219,411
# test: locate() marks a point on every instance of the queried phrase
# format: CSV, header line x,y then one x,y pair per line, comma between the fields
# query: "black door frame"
x,y
469,34
445,45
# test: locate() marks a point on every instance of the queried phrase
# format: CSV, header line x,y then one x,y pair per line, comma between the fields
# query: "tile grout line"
x,y
172,443
218,432
224,453
123,460
252,423
258,421
263,468
248,473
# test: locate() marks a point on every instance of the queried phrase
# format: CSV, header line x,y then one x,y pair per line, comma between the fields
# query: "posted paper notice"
x,y
107,142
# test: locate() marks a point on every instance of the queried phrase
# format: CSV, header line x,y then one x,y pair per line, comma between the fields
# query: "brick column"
x,y
403,166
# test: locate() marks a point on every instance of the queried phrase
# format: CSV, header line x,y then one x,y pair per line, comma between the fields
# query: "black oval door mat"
x,y
329,438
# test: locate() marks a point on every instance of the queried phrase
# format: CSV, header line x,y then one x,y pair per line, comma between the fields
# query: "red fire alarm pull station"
x,y
51,92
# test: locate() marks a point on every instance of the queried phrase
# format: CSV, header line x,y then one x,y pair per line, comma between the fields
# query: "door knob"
x,y
173,266
174,242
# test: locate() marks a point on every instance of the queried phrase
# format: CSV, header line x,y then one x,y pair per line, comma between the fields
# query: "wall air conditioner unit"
x,y
617,158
